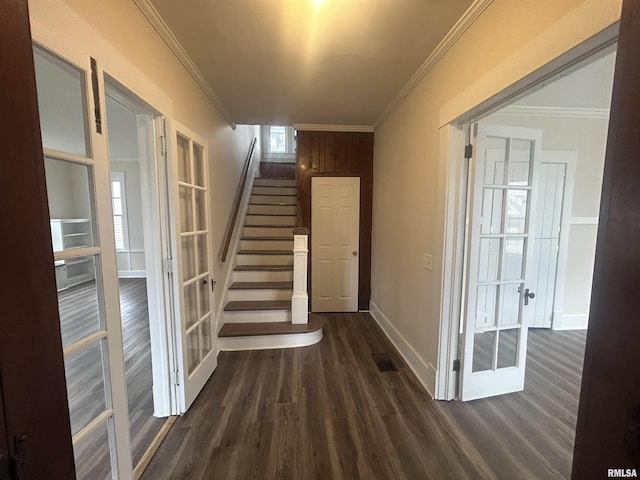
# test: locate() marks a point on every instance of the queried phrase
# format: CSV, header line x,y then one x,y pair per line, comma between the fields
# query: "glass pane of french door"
x,y
71,177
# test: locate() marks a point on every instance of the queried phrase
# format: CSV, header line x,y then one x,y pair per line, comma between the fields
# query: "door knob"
x,y
354,253
528,295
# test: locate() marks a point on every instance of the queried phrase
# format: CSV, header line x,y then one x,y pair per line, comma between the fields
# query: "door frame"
x,y
154,217
453,139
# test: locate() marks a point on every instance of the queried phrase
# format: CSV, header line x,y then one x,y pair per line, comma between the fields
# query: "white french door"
x,y
335,236
502,203
79,197
193,281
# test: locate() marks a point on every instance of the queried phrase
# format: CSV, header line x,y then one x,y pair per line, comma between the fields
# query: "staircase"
x,y
257,314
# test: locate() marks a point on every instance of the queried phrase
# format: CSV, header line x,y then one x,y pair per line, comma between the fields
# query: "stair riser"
x,y
284,245
258,276
268,232
258,316
274,199
274,190
279,209
270,220
261,294
274,181
265,259
264,342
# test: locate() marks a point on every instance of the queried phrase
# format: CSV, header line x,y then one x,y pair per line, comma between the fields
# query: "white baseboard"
x,y
132,274
425,372
577,321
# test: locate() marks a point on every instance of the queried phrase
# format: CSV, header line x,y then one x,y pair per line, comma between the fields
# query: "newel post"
x,y
300,298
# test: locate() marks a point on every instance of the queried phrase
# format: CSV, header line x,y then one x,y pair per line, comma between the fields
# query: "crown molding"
x,y
467,19
332,128
553,112
150,12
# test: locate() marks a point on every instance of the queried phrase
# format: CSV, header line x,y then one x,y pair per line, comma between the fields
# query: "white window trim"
x,y
290,139
117,176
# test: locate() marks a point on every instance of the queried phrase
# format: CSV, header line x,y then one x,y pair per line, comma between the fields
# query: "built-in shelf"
x,y
67,234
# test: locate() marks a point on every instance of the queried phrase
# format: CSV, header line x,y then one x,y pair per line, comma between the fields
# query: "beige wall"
x,y
510,40
125,45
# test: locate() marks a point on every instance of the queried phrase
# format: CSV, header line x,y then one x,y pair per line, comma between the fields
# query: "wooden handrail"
x,y
236,206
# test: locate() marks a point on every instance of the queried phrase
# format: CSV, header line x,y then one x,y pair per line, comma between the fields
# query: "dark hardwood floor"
x,y
530,434
325,411
79,317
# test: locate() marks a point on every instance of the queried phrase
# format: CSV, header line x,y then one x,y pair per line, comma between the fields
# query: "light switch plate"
x,y
428,261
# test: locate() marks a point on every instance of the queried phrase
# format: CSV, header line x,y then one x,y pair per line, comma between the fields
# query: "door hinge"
x,y
468,151
163,145
456,365
167,266
175,378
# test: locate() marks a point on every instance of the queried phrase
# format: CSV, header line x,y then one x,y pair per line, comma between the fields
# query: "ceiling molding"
x,y
462,25
553,112
332,128
150,12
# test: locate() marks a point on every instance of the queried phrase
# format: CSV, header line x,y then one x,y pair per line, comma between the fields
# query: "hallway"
x,y
326,411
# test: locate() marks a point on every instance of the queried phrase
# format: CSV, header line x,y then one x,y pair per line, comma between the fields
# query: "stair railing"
x,y
300,297
224,251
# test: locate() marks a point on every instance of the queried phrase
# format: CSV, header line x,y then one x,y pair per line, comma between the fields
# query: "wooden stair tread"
x,y
278,204
272,194
265,252
275,186
252,305
273,214
271,226
316,322
287,239
261,286
249,268
277,178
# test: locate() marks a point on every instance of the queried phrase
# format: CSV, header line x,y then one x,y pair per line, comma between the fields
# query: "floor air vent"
x,y
384,362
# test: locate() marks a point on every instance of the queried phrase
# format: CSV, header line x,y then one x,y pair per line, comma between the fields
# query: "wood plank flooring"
x,y
79,317
325,411
530,434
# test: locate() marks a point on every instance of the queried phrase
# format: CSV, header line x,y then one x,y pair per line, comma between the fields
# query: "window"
x,y
278,142
119,210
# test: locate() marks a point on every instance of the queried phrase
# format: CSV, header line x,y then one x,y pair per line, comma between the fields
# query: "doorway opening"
x,y
132,160
532,205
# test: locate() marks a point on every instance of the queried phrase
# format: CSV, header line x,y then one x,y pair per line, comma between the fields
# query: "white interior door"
x,y
194,280
544,265
335,237
502,213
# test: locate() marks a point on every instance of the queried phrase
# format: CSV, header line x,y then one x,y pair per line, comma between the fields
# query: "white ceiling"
x,y
336,62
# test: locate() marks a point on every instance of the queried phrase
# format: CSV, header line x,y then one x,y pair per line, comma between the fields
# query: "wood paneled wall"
x,y
340,154
278,170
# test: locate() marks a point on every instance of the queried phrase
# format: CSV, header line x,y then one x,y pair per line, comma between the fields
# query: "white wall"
x,y
127,47
67,189
509,41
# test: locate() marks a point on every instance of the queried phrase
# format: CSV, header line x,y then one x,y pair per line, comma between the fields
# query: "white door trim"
x,y
452,161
